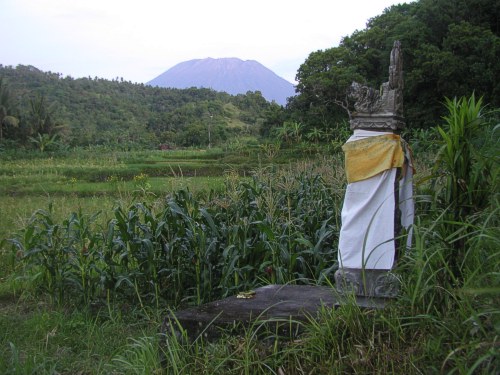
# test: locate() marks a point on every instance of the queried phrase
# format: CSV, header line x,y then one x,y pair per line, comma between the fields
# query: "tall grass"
x,y
451,283
464,178
466,173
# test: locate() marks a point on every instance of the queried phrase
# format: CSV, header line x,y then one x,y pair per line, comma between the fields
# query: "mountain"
x,y
231,75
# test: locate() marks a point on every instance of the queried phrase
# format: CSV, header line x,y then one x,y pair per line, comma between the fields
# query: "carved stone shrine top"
x,y
381,109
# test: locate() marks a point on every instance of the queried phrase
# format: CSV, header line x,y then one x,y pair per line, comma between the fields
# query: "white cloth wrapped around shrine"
x,y
376,208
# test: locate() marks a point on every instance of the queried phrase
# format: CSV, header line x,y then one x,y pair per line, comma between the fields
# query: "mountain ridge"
x,y
229,74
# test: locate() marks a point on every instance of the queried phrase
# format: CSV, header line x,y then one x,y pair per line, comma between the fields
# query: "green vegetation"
x,y
86,290
101,234
48,112
185,250
450,49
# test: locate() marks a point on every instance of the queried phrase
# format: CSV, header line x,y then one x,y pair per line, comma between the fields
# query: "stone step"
x,y
281,308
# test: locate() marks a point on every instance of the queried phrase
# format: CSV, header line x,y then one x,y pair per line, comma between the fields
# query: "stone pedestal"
x,y
279,309
367,283
377,122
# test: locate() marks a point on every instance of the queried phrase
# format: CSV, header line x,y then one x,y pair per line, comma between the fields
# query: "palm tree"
x,y
284,132
296,130
315,135
42,117
6,109
43,141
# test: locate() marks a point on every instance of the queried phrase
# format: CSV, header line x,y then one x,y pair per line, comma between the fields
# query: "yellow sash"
x,y
370,156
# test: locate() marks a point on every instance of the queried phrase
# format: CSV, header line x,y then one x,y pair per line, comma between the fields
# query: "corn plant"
x,y
466,175
279,227
463,176
61,257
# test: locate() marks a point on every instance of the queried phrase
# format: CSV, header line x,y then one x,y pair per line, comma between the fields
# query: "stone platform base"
x,y
367,282
281,308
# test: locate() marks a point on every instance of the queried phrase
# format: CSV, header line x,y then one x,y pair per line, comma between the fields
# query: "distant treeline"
x,y
40,105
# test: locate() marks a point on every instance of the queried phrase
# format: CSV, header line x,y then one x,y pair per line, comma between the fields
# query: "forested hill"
x,y
97,111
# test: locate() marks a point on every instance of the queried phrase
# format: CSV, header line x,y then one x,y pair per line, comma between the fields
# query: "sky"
x,y
138,40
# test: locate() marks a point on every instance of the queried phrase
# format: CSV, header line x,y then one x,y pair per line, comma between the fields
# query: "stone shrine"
x,y
378,204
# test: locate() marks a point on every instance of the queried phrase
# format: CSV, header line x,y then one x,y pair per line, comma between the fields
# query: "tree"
x,y
41,115
296,129
326,76
44,141
472,54
7,109
450,48
315,135
284,132
273,116
324,79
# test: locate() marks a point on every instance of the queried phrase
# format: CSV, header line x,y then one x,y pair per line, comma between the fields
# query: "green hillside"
x,y
97,111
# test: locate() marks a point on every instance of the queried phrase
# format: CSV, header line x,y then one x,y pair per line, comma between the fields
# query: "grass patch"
x,y
39,338
114,186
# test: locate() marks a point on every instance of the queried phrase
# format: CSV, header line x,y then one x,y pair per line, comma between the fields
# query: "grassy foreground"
x,y
85,294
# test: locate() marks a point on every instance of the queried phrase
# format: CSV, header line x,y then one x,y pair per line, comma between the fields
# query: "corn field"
x,y
187,249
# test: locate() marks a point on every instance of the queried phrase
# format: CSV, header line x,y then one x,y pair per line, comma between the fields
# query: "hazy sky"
x,y
140,39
